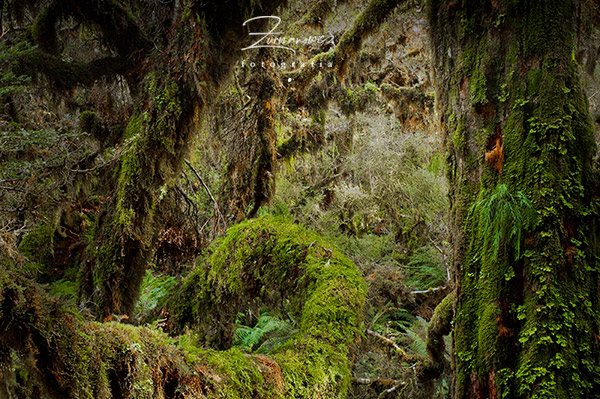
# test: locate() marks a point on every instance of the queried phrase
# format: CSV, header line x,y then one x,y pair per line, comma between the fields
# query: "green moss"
x,y
36,247
266,261
37,244
43,30
459,139
64,289
439,326
314,369
487,340
156,143
87,121
371,16
243,378
356,99
522,302
271,262
125,214
134,127
478,85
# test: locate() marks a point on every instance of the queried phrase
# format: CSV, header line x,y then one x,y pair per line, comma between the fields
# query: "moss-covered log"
x,y
48,351
520,144
270,262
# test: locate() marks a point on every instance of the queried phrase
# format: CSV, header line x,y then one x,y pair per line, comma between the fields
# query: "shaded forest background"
x,y
153,185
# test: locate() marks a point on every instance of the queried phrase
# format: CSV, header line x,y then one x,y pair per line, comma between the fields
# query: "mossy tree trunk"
x,y
172,90
520,145
174,59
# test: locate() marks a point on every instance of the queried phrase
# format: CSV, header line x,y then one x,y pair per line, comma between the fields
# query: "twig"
x,y
381,381
430,290
190,204
217,209
386,340
97,166
392,389
444,258
9,188
124,149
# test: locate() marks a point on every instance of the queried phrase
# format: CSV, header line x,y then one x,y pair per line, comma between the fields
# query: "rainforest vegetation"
x,y
299,199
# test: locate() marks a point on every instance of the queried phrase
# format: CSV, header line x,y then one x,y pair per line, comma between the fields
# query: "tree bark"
x,y
520,144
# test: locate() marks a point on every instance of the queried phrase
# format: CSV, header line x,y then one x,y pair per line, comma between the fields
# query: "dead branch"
x,y
388,341
429,291
217,209
383,382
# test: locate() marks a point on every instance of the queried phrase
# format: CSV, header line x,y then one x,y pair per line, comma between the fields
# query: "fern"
x,y
155,291
416,337
390,320
269,331
425,269
64,289
501,219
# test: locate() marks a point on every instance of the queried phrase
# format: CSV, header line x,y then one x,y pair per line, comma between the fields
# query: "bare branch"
x,y
383,382
9,188
217,209
429,291
390,342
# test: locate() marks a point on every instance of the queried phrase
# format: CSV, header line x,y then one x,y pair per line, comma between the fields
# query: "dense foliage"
x,y
400,201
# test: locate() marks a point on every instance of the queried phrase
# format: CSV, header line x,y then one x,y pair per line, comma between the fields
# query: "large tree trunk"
x,y
520,144
174,87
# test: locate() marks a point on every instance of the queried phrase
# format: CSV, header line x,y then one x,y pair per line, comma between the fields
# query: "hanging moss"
x,y
37,247
43,30
369,19
156,141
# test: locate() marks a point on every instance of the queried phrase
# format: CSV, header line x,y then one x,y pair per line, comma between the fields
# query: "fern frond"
x,y
501,219
268,331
